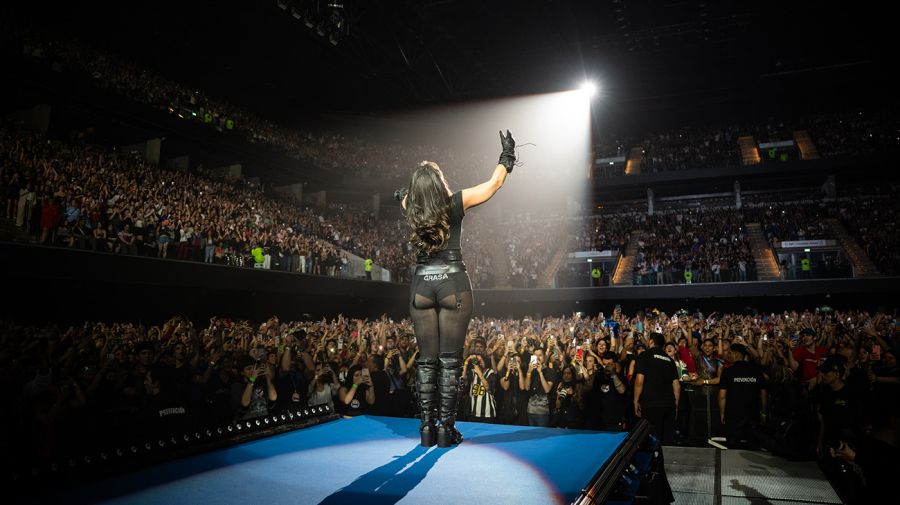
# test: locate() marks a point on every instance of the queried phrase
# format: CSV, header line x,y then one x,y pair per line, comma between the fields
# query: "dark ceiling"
x,y
657,58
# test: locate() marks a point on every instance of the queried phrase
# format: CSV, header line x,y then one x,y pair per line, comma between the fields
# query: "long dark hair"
x,y
428,208
574,376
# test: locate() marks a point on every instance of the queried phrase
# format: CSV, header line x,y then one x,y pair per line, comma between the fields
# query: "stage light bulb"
x,y
589,88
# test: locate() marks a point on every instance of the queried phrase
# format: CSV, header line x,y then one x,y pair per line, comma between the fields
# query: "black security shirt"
x,y
743,381
659,371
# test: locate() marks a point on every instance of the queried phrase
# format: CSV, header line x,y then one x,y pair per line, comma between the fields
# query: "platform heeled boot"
x,y
449,383
427,392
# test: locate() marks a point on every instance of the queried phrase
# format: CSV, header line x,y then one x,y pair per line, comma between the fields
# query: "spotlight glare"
x,y
588,88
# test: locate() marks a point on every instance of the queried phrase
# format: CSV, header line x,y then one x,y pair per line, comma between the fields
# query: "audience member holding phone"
x,y
357,394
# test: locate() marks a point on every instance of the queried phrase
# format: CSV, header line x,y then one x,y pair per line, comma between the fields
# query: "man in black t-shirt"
x,y
656,392
838,423
656,389
837,407
742,388
164,412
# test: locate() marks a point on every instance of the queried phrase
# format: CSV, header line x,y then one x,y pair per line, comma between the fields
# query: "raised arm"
x,y
286,359
476,195
483,192
790,352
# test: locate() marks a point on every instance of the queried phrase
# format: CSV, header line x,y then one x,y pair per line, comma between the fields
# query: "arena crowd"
x,y
830,377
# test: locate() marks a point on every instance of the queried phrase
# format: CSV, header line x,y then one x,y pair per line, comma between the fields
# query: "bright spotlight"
x,y
589,88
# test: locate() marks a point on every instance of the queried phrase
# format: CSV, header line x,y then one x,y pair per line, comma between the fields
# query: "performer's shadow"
x,y
389,483
519,436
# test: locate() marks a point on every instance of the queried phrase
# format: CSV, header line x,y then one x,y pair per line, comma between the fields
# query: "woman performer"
x,y
440,302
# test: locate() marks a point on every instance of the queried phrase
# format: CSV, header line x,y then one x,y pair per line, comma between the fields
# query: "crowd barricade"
x,y
702,409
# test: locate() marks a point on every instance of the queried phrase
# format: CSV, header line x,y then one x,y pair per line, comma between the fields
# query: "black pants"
x,y
662,425
739,432
662,422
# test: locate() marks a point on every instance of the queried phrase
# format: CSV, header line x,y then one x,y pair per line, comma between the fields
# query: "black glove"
x,y
508,156
400,194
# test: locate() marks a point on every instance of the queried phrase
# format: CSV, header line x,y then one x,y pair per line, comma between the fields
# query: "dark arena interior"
x,y
261,251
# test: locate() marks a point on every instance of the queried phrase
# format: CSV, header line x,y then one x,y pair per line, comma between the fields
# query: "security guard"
x,y
742,399
369,269
656,392
688,276
805,266
657,388
595,276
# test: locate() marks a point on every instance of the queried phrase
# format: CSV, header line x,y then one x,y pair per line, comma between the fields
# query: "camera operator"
x,y
837,407
877,455
838,423
608,398
569,400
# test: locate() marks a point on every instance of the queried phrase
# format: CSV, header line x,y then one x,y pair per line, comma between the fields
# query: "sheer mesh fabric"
x,y
442,327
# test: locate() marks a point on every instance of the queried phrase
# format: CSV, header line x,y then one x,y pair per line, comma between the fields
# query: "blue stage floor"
x,y
371,460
